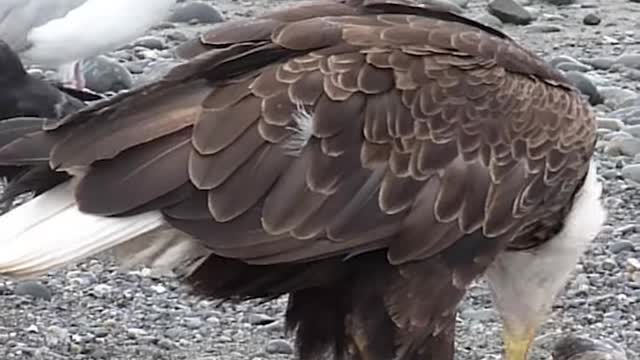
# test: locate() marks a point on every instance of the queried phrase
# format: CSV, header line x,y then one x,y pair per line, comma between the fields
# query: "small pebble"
x,y
621,246
279,347
591,19
34,289
196,12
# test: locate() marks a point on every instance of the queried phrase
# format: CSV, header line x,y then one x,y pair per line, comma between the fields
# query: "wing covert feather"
x,y
339,127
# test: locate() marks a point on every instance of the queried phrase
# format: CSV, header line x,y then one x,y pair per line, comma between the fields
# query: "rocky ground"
x,y
91,311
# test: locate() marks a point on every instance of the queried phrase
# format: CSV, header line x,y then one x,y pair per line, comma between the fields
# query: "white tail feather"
x,y
49,231
166,250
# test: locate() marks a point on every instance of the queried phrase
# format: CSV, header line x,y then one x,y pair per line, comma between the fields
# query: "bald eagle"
x,y
369,159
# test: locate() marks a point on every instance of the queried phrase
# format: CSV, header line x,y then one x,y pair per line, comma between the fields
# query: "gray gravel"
x,y
93,311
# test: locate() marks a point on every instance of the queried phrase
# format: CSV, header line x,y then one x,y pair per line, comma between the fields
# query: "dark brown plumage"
x,y
369,159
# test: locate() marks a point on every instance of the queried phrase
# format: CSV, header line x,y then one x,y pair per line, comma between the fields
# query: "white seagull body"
x,y
61,33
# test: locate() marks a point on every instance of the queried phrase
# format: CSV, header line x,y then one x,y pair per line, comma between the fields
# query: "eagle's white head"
x,y
525,283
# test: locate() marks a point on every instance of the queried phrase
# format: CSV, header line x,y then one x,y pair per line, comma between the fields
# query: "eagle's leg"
x,y
420,345
359,347
440,346
358,351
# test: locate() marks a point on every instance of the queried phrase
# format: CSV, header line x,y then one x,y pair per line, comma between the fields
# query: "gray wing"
x,y
18,17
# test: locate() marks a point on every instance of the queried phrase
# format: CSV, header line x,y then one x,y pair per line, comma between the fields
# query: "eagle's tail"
x,y
50,231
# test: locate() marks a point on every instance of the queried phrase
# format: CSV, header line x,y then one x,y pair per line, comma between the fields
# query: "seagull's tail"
x,y
49,232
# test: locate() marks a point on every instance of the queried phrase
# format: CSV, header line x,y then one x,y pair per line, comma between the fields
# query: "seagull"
x,y
368,158
62,33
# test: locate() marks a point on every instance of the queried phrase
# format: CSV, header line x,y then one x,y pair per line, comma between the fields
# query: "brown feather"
x,y
248,184
131,179
291,200
217,129
120,128
331,117
209,171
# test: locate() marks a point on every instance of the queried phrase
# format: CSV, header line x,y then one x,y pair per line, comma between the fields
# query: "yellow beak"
x,y
517,346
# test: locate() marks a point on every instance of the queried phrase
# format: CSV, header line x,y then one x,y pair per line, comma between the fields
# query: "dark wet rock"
x,y
198,12
586,86
33,289
509,11
490,20
591,19
447,5
103,75
561,2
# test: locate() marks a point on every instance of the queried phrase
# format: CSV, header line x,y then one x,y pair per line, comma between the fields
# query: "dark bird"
x,y
368,159
25,95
